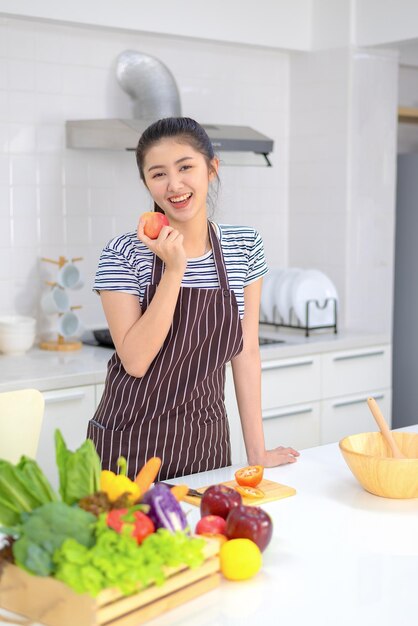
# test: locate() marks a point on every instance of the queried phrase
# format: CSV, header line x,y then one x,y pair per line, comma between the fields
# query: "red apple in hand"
x,y
219,500
153,223
250,522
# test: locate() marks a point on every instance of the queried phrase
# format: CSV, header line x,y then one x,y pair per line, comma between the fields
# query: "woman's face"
x,y
177,178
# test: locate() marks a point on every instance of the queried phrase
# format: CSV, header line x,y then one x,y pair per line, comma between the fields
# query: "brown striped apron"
x,y
175,411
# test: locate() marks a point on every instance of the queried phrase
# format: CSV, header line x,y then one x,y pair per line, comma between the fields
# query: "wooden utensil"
x,y
384,428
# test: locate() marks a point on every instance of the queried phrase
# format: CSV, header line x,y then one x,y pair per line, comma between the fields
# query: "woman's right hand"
x,y
168,246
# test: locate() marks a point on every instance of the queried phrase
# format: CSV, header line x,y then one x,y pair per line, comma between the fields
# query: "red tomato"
x,y
250,492
211,525
250,476
140,524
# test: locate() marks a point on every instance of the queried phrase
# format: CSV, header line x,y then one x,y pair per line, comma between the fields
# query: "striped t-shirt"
x,y
126,264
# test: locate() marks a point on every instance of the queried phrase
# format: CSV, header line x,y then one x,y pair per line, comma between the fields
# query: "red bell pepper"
x,y
140,524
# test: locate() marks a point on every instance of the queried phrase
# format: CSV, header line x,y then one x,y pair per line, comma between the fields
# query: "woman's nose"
x,y
174,182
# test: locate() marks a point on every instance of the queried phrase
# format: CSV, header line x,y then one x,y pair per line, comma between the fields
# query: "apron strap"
x,y
158,265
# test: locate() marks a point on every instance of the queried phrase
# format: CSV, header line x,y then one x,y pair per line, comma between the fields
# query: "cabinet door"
x,y
296,426
350,415
99,392
354,371
290,381
69,410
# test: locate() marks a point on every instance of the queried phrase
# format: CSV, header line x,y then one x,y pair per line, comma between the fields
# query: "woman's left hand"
x,y
279,456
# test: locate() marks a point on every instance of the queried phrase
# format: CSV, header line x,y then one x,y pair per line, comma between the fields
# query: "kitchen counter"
x,y
339,555
46,370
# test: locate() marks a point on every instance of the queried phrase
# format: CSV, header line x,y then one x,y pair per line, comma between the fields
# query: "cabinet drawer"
x,y
296,426
69,410
349,415
354,371
290,381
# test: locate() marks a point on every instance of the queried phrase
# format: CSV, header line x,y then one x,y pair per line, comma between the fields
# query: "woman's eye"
x,y
185,167
158,174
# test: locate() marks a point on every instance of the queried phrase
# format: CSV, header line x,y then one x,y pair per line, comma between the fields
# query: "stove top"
x,y
102,338
263,341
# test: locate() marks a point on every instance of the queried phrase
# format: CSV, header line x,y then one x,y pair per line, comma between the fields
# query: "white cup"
x,y
55,301
69,325
69,277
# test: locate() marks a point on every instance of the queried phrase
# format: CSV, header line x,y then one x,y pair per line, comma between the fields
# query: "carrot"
x,y
148,474
179,492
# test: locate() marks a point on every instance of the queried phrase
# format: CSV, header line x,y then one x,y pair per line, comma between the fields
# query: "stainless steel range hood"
x,y
249,146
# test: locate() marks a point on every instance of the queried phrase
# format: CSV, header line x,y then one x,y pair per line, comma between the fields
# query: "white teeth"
x,y
181,198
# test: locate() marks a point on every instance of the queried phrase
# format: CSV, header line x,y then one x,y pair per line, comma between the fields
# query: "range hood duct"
x,y
155,95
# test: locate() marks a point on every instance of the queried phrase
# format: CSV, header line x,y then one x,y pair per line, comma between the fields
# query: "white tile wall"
x,y
55,201
342,152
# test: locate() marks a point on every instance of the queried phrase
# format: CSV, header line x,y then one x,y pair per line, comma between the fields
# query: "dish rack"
x,y
278,321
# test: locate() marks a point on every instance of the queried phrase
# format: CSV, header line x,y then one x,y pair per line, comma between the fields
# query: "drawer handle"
x,y
273,365
59,397
268,415
359,356
358,401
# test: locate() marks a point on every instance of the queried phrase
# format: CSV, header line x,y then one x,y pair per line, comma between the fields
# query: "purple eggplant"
x,y
164,511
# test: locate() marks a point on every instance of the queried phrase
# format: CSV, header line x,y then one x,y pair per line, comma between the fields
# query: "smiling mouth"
x,y
180,200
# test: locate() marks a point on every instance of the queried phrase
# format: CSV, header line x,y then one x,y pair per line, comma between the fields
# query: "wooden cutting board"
x,y
272,490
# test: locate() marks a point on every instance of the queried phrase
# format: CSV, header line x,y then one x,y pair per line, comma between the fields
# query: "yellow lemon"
x,y
240,559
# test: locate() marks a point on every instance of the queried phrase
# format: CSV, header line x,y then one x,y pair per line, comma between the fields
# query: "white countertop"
x,y
338,555
45,370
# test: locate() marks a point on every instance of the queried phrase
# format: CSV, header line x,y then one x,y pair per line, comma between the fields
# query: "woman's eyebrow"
x,y
155,167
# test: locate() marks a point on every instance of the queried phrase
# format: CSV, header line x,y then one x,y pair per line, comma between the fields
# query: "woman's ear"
x,y
214,167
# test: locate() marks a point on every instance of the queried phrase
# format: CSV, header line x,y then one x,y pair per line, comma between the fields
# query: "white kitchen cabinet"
x,y
354,371
316,399
69,410
297,426
290,381
348,415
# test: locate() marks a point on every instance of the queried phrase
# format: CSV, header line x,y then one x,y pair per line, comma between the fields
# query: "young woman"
x,y
179,308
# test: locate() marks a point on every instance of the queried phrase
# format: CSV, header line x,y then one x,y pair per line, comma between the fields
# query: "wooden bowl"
x,y
369,458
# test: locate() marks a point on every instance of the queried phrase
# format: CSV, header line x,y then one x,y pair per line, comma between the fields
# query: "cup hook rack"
x,y
61,344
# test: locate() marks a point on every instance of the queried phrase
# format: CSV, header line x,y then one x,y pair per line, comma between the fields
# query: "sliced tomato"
x,y
250,476
250,492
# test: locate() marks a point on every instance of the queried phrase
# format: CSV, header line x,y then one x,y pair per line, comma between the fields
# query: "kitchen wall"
x,y
55,201
343,126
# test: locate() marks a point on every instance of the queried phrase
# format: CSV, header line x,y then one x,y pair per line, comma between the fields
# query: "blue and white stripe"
x,y
126,264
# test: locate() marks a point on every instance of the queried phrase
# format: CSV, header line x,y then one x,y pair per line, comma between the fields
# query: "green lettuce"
x,y
79,471
23,487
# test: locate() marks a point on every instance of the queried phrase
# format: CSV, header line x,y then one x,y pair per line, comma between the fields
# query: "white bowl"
x,y
17,321
16,341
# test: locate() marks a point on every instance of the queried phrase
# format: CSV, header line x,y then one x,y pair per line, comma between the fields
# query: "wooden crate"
x,y
53,603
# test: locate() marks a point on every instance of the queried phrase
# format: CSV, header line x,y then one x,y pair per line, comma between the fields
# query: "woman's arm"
x,y
246,369
138,337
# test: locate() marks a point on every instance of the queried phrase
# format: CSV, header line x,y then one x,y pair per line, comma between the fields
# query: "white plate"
x,y
267,294
313,285
283,301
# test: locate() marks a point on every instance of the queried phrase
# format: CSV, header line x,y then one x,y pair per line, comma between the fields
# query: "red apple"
x,y
211,525
154,222
219,500
250,522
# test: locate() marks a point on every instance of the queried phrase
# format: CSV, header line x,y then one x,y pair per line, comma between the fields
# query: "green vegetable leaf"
x,y
79,471
23,487
32,558
45,530
117,561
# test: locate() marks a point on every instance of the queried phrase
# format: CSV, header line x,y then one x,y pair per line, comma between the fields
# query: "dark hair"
x,y
184,130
